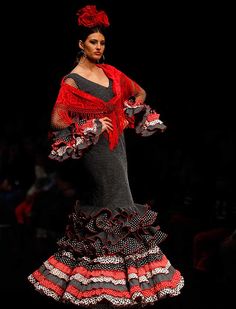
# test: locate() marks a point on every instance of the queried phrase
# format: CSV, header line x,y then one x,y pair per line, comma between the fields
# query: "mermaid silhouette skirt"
x,y
110,252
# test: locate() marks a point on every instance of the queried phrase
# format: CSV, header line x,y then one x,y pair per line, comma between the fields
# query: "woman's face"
x,y
93,46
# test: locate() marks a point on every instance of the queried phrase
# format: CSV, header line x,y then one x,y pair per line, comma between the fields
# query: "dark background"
x,y
181,54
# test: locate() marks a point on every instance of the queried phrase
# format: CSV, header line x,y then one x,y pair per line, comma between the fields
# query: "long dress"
x,y
110,253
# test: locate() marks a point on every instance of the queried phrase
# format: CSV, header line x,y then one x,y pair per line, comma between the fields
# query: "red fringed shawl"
x,y
72,103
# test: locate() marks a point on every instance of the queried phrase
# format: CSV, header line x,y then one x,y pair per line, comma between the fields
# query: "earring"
x,y
80,54
102,60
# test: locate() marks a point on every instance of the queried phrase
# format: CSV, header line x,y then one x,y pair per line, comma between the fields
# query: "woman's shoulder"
x,y
110,68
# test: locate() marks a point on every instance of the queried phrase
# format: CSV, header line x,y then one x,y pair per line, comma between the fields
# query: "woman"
x,y
110,252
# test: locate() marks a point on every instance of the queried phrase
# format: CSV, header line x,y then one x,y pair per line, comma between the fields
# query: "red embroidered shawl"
x,y
73,103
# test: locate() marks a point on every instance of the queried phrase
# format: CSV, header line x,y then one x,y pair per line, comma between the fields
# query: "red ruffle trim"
x,y
154,288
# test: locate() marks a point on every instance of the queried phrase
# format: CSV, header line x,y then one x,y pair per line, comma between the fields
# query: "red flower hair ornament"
x,y
89,17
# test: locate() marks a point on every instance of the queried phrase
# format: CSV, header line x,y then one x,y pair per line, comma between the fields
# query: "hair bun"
x,y
89,17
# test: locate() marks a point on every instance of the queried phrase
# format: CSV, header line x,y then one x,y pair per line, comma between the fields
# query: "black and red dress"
x,y
110,252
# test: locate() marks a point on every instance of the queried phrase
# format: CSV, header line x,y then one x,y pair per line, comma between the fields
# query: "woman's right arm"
x,y
70,137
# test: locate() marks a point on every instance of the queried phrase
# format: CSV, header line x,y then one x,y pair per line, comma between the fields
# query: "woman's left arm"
x,y
134,104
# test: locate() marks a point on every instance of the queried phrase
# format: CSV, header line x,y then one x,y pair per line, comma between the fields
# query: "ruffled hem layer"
x,y
109,256
139,279
118,231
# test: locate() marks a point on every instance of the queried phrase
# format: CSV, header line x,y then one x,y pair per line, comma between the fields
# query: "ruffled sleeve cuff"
x,y
132,107
74,139
150,123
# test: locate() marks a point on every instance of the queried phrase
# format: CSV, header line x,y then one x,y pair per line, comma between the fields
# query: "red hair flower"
x,y
89,17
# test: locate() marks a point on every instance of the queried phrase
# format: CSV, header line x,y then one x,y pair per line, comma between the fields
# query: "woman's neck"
x,y
87,64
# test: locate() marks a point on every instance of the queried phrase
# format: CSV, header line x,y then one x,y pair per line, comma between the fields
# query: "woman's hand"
x,y
106,124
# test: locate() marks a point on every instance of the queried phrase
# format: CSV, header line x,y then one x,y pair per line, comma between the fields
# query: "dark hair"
x,y
84,32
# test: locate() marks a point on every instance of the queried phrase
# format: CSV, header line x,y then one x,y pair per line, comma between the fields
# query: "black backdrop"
x,y
177,52
180,54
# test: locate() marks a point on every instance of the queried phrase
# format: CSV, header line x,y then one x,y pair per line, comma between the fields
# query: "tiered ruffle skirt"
x,y
109,257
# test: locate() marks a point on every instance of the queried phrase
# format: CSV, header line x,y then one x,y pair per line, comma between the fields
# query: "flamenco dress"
x,y
110,254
